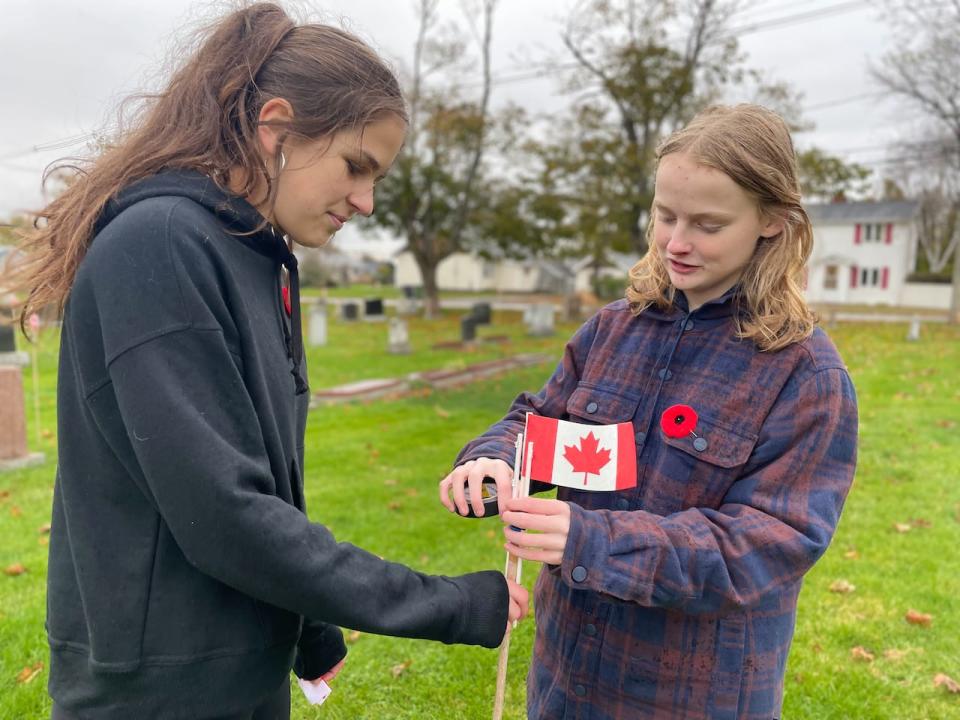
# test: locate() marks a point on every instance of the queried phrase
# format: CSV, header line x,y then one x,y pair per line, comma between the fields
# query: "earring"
x,y
283,161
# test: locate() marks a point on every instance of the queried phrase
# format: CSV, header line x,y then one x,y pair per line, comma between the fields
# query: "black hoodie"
x,y
182,564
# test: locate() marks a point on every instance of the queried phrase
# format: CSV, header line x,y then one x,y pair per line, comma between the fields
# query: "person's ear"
x,y
275,117
773,226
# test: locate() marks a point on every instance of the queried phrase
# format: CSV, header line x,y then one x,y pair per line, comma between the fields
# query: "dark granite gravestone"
x,y
373,308
481,312
8,338
350,311
468,328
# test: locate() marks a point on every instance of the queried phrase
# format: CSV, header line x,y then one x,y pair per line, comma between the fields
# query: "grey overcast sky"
x,y
65,65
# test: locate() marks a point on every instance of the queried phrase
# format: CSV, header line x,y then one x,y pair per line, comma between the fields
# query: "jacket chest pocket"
x,y
697,471
593,405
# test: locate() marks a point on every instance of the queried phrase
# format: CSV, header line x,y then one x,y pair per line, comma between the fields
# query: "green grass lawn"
x,y
372,471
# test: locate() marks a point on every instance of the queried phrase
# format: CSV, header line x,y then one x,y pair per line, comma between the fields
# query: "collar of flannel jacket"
x,y
718,309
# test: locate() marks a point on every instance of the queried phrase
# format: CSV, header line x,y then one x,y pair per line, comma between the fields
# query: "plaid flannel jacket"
x,y
677,598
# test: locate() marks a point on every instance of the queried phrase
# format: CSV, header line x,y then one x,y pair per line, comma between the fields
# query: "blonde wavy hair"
x,y
752,146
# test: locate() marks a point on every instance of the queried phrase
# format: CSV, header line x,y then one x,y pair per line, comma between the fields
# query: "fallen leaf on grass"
x,y
44,529
15,511
851,555
915,617
441,412
398,670
946,424
895,655
46,434
43,540
353,636
491,534
4,495
902,527
14,570
842,587
394,505
424,559
861,653
389,482
411,492
921,523
947,682
29,673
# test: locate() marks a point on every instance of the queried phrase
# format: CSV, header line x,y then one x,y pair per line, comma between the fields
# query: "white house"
x,y
862,252
474,273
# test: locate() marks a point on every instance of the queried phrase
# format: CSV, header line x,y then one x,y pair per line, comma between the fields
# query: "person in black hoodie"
x,y
185,580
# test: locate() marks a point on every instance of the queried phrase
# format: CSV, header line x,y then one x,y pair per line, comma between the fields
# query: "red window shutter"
x,y
889,238
853,273
856,234
885,277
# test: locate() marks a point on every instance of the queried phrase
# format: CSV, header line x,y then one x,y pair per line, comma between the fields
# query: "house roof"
x,y
615,260
854,212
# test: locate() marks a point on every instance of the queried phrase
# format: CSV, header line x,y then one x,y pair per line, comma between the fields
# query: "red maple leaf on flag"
x,y
588,458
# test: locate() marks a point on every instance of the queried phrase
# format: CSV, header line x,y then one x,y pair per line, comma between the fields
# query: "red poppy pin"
x,y
679,421
285,291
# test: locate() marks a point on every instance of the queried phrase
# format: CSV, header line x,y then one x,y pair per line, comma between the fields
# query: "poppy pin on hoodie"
x,y
680,421
285,292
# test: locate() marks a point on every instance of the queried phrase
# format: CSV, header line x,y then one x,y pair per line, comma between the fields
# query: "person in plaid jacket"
x,y
677,598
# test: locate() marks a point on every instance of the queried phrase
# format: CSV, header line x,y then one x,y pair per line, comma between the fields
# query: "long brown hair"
x,y
751,145
206,120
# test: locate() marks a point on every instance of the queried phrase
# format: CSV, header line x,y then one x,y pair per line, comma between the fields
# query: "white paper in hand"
x,y
315,692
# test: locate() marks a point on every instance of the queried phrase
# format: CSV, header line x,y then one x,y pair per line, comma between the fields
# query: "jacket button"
x,y
579,690
592,407
689,325
665,374
623,504
700,444
579,573
590,630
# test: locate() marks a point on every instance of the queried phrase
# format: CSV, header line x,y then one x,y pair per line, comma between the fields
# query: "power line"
x,y
797,18
60,144
746,29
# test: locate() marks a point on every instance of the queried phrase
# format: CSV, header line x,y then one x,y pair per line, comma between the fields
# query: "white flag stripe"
x,y
574,435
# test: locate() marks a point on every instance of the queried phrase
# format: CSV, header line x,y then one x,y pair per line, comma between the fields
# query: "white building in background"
x,y
473,273
863,253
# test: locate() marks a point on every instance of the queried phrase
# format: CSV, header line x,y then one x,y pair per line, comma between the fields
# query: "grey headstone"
x,y
318,324
398,337
408,306
539,319
913,334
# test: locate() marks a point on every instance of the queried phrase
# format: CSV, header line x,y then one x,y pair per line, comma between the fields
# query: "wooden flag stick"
x,y
521,488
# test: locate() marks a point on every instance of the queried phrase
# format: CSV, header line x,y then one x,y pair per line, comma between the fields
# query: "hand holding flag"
x,y
548,519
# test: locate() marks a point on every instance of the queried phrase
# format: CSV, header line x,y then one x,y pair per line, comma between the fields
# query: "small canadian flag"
x,y
583,457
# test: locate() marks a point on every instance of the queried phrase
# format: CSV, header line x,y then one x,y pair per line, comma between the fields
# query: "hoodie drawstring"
x,y
289,261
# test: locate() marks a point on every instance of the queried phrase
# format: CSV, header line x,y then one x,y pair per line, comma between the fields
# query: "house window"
x,y
872,277
830,277
873,232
